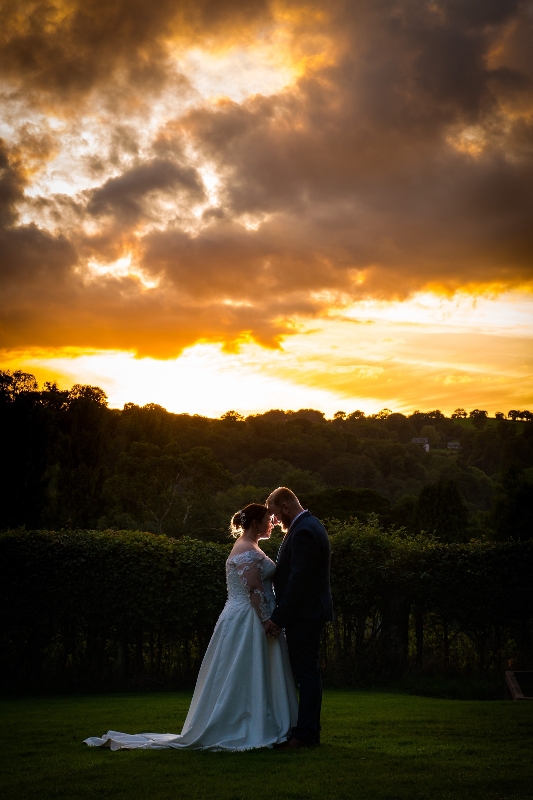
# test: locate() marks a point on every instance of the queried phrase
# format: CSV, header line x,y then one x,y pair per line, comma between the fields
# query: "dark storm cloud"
x,y
378,159
124,196
30,256
27,254
402,161
11,186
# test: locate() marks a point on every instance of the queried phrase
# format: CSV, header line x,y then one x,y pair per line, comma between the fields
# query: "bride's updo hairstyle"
x,y
254,512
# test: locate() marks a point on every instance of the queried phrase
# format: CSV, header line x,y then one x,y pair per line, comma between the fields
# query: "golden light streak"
x,y
462,354
121,268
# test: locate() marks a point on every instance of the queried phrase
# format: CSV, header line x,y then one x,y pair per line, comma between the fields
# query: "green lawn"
x,y
376,745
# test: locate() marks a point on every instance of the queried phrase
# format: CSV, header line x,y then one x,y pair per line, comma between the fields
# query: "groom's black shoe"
x,y
293,744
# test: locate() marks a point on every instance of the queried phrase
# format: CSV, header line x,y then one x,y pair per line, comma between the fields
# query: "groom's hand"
x,y
271,629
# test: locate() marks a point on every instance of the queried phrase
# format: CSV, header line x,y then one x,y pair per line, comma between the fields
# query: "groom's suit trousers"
x,y
303,640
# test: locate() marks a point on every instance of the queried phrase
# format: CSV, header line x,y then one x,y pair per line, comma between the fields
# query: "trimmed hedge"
x,y
82,605
87,609
412,602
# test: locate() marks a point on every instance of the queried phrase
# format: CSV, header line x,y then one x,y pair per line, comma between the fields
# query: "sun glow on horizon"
x,y
375,356
203,380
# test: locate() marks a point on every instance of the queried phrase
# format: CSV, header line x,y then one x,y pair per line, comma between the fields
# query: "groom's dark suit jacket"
x,y
301,581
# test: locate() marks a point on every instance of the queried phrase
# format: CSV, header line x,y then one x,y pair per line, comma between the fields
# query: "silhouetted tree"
x,y
441,511
161,488
512,516
459,413
14,383
383,414
345,504
232,416
479,418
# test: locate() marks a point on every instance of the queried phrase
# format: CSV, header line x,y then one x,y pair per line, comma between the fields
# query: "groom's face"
x,y
281,516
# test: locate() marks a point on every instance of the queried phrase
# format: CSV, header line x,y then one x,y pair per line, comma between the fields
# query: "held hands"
x,y
271,629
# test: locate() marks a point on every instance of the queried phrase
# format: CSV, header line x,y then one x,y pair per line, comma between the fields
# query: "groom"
x,y
303,605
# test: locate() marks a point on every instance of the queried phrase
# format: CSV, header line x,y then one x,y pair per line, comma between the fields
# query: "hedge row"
x,y
106,609
404,602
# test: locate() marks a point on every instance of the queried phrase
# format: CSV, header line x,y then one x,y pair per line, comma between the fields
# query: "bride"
x,y
245,695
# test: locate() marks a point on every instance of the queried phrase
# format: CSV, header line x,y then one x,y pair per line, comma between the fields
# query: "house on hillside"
x,y
454,446
423,441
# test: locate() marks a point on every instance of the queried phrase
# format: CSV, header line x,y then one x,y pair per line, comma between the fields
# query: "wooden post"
x,y
512,687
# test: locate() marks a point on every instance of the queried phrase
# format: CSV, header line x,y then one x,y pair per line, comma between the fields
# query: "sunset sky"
x,y
237,204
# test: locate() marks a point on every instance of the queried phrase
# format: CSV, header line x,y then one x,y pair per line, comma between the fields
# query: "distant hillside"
x,y
73,462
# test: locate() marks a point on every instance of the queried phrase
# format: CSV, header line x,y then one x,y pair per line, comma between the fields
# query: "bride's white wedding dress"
x,y
245,695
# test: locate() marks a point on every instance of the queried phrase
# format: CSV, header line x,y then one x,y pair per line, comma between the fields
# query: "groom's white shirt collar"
x,y
297,517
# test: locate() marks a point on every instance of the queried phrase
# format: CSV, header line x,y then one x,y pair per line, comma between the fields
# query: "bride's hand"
x,y
271,629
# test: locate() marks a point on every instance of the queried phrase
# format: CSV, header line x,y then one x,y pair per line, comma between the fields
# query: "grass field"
x,y
376,745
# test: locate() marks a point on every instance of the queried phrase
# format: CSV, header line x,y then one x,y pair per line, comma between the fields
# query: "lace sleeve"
x,y
250,573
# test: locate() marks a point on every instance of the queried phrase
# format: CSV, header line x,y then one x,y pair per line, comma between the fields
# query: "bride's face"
x,y
265,527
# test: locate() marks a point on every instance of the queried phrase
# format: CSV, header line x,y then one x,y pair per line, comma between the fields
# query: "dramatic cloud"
x,y
126,196
69,47
148,203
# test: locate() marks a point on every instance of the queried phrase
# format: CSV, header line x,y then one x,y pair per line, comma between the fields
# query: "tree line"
x,y
73,462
